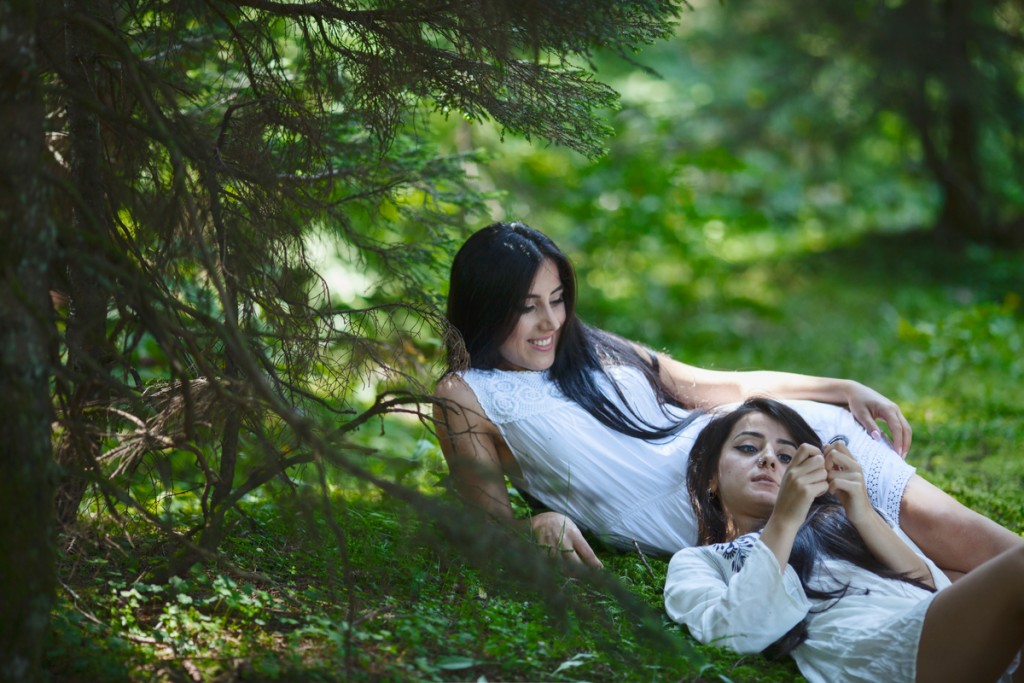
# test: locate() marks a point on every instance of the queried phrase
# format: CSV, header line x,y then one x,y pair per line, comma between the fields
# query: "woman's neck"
x,y
743,525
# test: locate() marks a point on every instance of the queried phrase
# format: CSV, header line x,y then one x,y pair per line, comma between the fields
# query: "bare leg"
x,y
974,628
955,537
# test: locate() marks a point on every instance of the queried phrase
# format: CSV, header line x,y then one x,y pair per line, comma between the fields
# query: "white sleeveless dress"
x,y
625,489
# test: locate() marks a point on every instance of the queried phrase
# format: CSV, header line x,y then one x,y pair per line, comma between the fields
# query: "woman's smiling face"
x,y
750,469
532,344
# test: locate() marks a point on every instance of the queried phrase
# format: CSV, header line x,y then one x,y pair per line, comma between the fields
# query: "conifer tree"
x,y
192,148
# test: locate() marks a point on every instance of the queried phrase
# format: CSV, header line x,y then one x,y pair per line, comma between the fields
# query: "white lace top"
x,y
623,488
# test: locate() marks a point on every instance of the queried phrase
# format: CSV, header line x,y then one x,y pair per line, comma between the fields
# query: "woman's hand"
x,y
846,481
803,481
868,406
560,537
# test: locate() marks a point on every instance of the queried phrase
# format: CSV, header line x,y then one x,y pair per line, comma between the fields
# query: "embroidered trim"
x,y
736,552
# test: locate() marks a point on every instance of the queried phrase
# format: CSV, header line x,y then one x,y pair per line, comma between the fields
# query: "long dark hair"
x,y
826,533
490,279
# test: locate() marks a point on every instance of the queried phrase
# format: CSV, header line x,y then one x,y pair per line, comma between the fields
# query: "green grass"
x,y
941,335
406,607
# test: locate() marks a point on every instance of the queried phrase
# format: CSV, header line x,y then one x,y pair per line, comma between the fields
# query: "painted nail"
x,y
876,435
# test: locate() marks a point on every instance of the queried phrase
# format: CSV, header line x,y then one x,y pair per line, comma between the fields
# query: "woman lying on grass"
x,y
599,429
796,560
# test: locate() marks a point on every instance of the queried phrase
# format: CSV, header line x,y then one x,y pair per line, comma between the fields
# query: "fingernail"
x,y
876,435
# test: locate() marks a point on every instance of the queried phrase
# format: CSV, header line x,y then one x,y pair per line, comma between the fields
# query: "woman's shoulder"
x,y
503,395
475,387
458,405
450,385
454,388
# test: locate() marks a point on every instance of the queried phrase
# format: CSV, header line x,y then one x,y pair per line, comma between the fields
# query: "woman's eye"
x,y
746,448
529,308
785,458
559,301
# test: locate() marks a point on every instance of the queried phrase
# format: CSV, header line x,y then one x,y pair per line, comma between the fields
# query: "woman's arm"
x,y
846,480
472,446
805,479
469,442
697,387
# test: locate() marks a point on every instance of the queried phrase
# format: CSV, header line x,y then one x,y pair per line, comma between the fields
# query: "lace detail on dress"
x,y
872,474
874,477
507,396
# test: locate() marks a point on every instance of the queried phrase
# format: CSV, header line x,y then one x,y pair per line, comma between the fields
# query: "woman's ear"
x,y
713,486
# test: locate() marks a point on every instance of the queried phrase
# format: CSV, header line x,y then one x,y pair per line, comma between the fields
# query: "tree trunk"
x,y
89,357
964,214
213,531
27,336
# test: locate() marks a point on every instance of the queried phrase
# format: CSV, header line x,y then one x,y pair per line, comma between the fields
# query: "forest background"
x,y
228,227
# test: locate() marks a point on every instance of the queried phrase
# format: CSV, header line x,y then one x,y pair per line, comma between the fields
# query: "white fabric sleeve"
x,y
745,611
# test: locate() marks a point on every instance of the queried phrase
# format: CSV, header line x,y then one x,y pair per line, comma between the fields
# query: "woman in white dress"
x,y
599,429
798,562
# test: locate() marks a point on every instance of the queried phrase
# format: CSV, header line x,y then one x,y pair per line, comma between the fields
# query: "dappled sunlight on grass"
x,y
396,605
375,595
